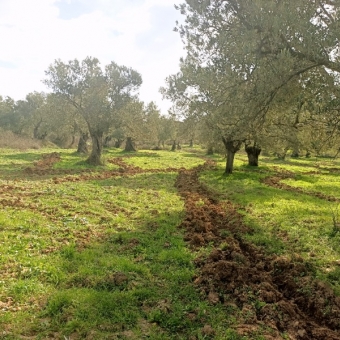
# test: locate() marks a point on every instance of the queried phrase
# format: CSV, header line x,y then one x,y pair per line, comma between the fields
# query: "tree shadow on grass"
x,y
143,272
147,154
23,156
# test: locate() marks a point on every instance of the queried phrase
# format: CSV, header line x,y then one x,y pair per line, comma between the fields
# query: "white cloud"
x,y
33,35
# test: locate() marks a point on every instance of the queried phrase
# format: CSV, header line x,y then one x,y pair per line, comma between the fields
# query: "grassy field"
x,y
96,253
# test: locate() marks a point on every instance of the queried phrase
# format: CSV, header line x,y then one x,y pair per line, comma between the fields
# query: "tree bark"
x,y
191,143
118,143
97,148
36,130
173,148
231,147
253,153
129,146
82,144
72,142
210,150
295,153
229,167
107,140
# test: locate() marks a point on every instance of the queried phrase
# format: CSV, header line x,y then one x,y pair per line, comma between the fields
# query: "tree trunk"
x,y
295,153
282,155
229,167
82,144
118,143
231,147
72,142
129,147
210,150
173,148
36,130
97,148
179,146
191,143
107,140
253,153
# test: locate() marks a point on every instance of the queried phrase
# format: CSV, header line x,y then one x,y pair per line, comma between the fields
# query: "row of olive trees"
x,y
88,102
48,117
261,72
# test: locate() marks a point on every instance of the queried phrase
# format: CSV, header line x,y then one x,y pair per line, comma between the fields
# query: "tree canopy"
x,y
96,94
243,56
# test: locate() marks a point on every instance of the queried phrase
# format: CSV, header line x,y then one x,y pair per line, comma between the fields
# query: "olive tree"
x,y
243,54
96,94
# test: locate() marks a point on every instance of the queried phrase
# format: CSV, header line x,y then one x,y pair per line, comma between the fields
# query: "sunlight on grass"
x,y
328,184
164,159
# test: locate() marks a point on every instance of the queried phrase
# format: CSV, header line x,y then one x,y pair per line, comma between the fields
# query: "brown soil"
x,y
275,181
275,296
44,167
15,195
45,163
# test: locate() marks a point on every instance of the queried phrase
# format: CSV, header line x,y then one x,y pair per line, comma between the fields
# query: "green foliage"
x,y
246,79
96,95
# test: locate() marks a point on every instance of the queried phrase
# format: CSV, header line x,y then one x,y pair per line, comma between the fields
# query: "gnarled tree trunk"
x,y
231,147
97,148
129,146
82,144
173,148
253,152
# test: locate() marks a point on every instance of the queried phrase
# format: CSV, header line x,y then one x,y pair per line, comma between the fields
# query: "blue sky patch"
x,y
7,64
73,9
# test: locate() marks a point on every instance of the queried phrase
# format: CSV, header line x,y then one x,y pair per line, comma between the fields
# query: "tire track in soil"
x,y
44,168
273,295
17,196
275,182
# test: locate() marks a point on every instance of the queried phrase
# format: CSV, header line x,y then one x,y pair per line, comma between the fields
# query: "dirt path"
x,y
270,295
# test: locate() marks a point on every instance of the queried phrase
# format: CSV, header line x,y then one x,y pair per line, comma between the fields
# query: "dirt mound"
x,y
44,164
275,181
275,296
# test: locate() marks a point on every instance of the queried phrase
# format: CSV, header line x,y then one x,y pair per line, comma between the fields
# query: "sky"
x,y
134,33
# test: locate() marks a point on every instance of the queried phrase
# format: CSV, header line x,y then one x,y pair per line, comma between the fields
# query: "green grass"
x,y
328,184
164,159
85,256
